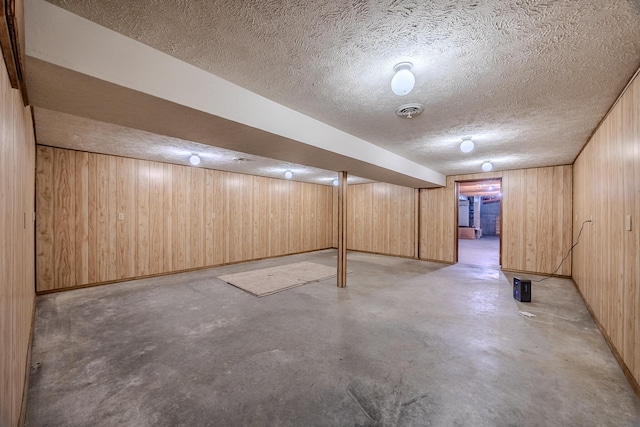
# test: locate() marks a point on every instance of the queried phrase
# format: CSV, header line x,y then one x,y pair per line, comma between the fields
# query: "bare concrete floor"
x,y
408,343
482,251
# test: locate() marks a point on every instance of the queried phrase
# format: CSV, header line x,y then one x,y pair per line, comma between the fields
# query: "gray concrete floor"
x,y
407,343
482,251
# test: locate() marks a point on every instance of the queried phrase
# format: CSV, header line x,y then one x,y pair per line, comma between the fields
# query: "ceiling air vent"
x,y
409,110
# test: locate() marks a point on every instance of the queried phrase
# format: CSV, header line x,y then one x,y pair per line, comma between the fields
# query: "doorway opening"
x,y
479,222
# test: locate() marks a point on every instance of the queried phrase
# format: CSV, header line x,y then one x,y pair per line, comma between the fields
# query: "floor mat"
x,y
267,281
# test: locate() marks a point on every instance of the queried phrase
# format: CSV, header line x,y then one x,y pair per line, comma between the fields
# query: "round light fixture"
x,y
403,80
335,182
467,145
194,159
487,166
288,174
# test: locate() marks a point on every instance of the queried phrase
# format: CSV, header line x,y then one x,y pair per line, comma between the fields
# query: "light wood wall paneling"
x,y
630,107
64,217
221,220
261,217
106,218
512,247
359,217
167,220
92,194
173,218
179,227
606,262
382,219
305,233
530,214
82,247
407,234
142,218
196,227
362,232
319,221
17,167
324,220
437,224
44,218
126,229
295,219
376,225
156,218
237,218
535,232
544,218
209,220
309,217
246,205
536,219
353,227
283,218
273,220
330,224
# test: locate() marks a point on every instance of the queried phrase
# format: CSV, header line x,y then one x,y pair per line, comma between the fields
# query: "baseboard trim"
x,y
625,369
110,282
559,276
27,372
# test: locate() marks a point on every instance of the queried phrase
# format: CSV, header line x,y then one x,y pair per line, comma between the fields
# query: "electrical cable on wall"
x,y
566,256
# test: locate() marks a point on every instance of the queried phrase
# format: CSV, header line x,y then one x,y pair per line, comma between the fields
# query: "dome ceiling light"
x,y
467,145
487,166
403,80
194,159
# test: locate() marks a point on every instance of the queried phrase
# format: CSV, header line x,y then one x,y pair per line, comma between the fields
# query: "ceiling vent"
x,y
409,111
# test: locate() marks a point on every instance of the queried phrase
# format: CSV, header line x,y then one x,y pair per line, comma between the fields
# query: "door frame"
x,y
455,208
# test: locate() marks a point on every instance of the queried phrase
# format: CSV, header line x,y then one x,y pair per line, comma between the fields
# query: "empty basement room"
x,y
247,213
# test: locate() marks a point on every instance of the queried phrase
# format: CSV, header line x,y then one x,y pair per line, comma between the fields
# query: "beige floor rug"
x,y
267,281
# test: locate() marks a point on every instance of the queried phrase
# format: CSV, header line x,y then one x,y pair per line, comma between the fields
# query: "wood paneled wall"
x,y
381,219
102,218
17,293
536,219
607,259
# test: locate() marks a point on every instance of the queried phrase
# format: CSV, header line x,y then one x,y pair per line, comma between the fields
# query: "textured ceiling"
x,y
77,133
528,80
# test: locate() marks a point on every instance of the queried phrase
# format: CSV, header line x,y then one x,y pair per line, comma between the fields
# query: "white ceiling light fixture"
x,y
403,80
288,174
194,159
335,182
467,145
487,166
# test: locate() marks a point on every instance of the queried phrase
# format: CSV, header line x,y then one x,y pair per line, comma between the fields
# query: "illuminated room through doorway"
x,y
479,220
